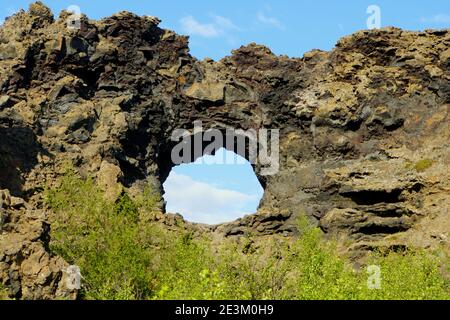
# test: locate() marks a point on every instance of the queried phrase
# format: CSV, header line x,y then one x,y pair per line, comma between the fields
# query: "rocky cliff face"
x,y
27,269
364,129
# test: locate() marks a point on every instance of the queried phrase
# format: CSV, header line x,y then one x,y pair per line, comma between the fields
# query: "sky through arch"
x,y
213,189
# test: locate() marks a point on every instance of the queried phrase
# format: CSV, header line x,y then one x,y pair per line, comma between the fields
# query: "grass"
x,y
124,255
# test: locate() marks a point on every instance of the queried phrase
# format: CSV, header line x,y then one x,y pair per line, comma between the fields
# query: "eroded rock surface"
x,y
364,128
27,269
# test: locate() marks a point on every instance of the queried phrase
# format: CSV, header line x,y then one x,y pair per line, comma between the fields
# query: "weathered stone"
x,y
213,92
17,203
108,178
5,102
27,269
5,199
364,134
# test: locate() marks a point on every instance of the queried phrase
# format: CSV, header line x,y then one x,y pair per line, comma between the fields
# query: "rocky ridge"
x,y
364,129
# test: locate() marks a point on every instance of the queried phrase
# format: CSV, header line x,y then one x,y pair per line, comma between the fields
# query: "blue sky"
x,y
217,193
213,189
289,27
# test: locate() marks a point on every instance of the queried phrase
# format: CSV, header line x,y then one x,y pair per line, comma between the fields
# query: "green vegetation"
x,y
423,164
420,165
115,253
124,255
3,293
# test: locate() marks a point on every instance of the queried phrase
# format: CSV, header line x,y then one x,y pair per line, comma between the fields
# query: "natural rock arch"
x,y
236,141
350,120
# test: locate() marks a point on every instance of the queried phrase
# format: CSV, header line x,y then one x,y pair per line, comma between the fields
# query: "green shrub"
x,y
104,239
409,275
320,273
123,256
323,274
188,273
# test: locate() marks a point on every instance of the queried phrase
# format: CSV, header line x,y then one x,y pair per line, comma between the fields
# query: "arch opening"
x,y
215,188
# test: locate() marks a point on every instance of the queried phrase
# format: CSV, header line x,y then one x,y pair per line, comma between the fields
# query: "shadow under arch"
x,y
191,146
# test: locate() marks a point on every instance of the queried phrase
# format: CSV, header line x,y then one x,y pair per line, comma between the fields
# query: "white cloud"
x,y
193,27
218,27
271,21
202,202
223,23
222,156
439,18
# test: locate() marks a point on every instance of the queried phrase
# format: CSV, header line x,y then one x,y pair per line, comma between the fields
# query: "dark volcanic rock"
x,y
354,122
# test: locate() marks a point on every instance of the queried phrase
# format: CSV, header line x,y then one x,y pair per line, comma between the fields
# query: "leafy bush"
x,y
323,274
409,275
104,239
124,255
319,272
189,273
